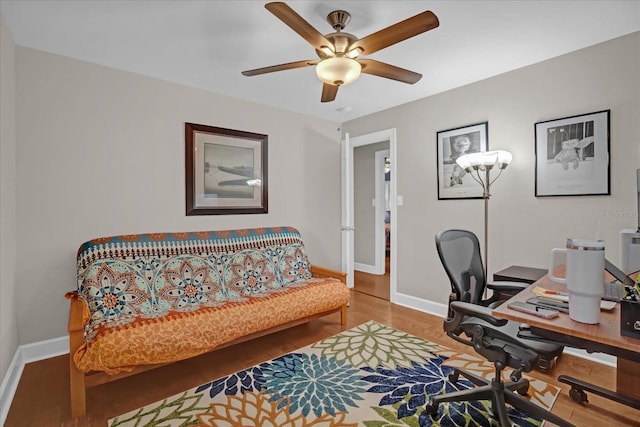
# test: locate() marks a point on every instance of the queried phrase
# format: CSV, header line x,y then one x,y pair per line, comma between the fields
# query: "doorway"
x,y
372,244
374,268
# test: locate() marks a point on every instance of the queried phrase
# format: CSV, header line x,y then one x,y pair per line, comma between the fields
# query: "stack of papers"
x,y
548,294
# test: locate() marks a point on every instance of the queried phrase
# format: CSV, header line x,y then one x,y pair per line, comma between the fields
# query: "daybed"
x,y
150,299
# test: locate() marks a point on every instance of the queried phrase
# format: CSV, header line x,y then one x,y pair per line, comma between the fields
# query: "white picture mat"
x,y
469,188
589,176
210,200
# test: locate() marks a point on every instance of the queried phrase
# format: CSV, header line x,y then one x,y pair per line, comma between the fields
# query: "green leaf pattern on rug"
x,y
373,344
181,409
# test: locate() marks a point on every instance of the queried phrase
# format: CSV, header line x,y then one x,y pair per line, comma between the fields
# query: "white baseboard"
x,y
10,384
431,307
605,359
440,310
27,353
366,268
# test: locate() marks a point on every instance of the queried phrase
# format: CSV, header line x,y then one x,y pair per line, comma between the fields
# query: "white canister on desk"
x,y
584,267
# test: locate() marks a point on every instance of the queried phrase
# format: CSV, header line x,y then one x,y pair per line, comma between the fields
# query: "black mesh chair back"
x,y
459,252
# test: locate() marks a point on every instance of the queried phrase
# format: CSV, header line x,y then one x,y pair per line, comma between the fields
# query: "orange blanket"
x,y
180,335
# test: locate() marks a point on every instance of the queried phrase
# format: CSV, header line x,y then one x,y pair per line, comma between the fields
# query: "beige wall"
x,y
101,152
364,188
523,228
8,285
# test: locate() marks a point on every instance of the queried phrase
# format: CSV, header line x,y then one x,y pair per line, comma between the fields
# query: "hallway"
x,y
373,284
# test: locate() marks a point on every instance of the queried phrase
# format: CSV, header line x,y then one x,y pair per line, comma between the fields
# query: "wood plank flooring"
x,y
376,285
42,396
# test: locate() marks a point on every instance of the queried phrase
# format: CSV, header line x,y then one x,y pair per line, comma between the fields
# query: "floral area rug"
x,y
371,375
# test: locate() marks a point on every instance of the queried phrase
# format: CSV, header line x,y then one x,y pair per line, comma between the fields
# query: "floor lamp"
x,y
477,165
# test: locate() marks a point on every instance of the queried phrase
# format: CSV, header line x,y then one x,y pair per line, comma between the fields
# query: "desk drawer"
x,y
630,319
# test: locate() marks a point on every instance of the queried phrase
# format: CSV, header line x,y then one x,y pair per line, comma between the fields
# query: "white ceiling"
x,y
206,44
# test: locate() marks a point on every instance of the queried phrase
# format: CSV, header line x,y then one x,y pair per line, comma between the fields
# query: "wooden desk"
x,y
604,336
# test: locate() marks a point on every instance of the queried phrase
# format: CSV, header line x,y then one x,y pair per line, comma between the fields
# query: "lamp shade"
x,y
338,70
504,159
485,159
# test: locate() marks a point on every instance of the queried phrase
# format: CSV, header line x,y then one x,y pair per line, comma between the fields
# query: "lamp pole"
x,y
485,161
486,195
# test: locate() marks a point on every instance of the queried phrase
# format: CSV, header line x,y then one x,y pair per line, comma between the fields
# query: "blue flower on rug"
x,y
313,383
410,385
407,389
238,383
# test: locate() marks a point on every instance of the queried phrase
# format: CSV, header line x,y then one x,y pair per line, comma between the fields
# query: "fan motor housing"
x,y
341,41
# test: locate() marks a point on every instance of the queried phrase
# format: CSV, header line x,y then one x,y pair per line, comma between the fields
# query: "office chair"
x,y
470,322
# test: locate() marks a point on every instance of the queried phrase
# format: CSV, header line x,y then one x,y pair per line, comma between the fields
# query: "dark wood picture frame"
x,y
226,171
453,181
572,156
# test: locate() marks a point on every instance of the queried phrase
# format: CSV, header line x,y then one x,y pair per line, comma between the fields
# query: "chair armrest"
x,y
507,286
483,313
502,291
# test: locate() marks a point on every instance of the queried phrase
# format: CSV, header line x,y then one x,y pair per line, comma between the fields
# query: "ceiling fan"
x,y
340,53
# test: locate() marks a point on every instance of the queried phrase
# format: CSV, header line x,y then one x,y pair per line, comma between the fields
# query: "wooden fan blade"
x,y
329,92
395,33
380,69
299,25
280,67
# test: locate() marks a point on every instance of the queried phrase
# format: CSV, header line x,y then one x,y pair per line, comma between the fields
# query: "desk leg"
x,y
628,378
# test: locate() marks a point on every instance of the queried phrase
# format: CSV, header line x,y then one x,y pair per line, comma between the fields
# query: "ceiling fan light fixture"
x,y
338,71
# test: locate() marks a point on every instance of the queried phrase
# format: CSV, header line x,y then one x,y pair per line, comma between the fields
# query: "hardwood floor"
x,y
42,396
376,285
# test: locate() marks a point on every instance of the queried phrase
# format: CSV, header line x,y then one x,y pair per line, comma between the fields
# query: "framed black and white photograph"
x,y
572,156
453,181
226,171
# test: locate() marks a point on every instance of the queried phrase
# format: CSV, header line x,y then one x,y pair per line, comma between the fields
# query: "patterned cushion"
x,y
151,273
131,279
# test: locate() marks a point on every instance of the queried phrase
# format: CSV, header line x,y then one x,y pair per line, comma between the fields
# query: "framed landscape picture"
x,y
226,171
453,181
572,156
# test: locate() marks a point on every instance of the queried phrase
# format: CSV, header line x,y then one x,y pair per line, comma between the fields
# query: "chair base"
x,y
500,393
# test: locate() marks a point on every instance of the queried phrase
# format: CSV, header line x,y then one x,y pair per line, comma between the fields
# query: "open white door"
x,y
347,227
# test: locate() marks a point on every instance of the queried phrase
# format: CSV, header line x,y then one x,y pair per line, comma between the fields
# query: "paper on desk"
x,y
543,293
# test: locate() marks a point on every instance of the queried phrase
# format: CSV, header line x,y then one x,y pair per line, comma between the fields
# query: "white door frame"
x,y
348,145
346,229
379,264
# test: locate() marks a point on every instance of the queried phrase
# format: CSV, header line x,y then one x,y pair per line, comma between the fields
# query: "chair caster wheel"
x,y
524,388
431,408
453,377
578,395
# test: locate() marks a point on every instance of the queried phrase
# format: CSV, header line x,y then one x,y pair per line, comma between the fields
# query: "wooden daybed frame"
x,y
81,381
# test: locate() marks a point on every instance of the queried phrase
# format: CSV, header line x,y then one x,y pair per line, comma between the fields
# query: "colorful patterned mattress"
x,y
157,298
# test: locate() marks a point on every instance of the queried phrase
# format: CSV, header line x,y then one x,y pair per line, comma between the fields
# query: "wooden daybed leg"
x,y
78,390
76,340
343,315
